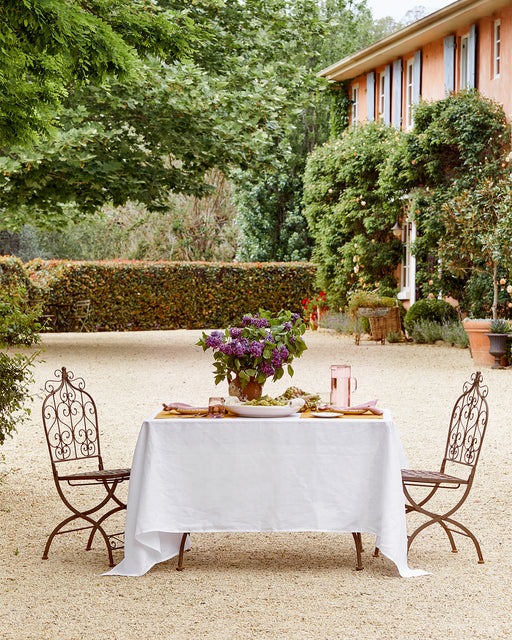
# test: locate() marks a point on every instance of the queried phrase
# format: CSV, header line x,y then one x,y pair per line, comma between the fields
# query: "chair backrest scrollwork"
x,y
468,424
70,419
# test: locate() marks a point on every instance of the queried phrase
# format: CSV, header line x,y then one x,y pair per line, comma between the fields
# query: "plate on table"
x,y
265,411
326,414
347,412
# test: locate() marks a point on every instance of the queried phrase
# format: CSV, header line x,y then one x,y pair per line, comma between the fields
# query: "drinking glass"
x,y
216,408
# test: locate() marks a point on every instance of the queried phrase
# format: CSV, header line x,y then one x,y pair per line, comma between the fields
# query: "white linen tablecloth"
x,y
272,474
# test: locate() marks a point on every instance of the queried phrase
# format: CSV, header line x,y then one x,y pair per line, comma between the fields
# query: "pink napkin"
x,y
181,407
365,406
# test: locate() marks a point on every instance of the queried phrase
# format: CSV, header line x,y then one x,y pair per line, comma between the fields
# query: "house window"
x,y
409,94
382,95
408,265
355,104
497,48
464,62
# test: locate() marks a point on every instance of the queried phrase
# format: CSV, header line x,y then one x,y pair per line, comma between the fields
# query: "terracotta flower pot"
x,y
251,391
479,342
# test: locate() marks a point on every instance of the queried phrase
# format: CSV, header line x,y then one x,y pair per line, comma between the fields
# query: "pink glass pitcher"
x,y
341,385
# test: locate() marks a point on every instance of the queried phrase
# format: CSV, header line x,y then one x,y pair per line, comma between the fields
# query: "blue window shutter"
x,y
449,64
417,77
397,94
370,95
472,57
387,95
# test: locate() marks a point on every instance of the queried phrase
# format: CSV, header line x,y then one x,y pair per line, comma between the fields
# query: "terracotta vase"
x,y
479,341
251,391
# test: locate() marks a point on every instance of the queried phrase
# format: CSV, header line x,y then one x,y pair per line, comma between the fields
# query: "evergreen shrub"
x,y
436,311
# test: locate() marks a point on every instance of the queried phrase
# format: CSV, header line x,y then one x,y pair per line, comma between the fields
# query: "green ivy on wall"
x,y
340,108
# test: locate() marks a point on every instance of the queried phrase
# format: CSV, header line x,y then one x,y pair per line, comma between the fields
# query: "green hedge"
x,y
15,279
137,295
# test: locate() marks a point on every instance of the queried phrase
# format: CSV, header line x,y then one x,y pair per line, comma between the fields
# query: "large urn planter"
x,y
479,343
498,348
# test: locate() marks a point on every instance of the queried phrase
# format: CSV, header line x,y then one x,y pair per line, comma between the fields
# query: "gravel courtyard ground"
x,y
257,586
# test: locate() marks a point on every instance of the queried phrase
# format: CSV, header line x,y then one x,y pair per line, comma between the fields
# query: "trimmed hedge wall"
x,y
13,277
137,295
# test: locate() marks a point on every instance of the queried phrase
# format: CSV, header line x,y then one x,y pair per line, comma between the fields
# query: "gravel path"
x,y
257,586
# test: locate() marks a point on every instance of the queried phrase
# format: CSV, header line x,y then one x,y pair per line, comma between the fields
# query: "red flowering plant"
x,y
315,307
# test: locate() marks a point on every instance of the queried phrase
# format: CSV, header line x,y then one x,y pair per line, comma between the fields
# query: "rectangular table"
x,y
263,474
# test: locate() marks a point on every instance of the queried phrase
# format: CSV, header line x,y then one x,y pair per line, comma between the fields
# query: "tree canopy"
x,y
48,45
242,96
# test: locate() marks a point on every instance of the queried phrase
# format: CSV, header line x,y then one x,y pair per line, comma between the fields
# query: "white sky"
x,y
398,8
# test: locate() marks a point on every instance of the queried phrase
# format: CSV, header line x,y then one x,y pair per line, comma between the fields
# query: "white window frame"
x,y
496,58
355,104
408,265
382,95
409,94
464,62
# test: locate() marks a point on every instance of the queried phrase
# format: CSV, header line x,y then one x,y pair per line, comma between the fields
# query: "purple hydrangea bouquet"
x,y
262,347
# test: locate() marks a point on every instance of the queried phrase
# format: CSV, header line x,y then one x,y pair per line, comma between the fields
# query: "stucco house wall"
x,y
466,44
435,45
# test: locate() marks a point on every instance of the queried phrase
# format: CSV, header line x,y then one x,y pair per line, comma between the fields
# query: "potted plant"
x,y
369,304
498,336
260,348
375,310
478,238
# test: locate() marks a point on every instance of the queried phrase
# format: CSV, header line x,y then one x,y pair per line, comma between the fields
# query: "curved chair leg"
x,y
92,524
56,532
443,520
359,549
469,534
99,522
450,536
182,550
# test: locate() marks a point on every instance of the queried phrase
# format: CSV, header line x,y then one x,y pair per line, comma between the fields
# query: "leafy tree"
x,y
350,214
243,95
140,137
270,206
478,232
46,45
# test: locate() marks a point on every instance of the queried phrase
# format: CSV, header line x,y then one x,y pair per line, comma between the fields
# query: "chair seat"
x,y
411,476
99,474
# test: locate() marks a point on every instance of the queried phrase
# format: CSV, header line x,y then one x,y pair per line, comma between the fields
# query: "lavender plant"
x,y
262,347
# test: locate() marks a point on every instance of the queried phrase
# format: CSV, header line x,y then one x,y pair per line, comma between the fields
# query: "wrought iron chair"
x,y
81,312
465,436
71,425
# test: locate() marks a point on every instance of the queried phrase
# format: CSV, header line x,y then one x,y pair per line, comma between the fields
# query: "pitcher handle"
x,y
355,384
